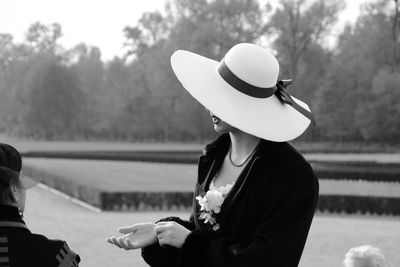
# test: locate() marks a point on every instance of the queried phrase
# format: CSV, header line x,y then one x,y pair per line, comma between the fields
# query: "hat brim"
x,y
266,118
26,181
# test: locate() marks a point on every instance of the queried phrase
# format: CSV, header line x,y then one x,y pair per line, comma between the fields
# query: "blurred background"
x,y
88,96
344,58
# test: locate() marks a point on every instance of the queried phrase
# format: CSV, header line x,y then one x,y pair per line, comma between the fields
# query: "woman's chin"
x,y
220,128
223,127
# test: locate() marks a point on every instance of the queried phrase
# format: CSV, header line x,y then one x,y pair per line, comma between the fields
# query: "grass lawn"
x,y
32,145
120,176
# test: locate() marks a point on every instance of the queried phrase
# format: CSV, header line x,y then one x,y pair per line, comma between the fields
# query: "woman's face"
x,y
221,126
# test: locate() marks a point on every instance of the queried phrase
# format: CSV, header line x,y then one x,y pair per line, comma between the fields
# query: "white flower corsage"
x,y
211,204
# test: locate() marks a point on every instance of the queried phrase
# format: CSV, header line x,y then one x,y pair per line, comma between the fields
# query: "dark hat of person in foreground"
x,y
10,169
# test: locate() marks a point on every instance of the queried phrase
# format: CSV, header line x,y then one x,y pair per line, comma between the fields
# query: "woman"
x,y
18,246
255,195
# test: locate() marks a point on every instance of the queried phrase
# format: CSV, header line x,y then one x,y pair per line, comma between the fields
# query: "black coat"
x,y
264,220
21,248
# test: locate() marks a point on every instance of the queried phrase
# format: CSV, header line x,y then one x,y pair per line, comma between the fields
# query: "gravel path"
x,y
84,230
329,239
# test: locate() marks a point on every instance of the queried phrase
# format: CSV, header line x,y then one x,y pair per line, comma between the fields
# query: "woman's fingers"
x,y
171,233
162,241
160,227
161,233
143,234
138,227
122,242
128,229
115,241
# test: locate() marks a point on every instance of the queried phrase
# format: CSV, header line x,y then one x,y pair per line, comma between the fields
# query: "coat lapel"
x,y
243,180
208,165
212,159
267,152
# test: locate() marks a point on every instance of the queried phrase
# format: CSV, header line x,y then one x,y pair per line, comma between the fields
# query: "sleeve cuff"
x,y
186,224
194,243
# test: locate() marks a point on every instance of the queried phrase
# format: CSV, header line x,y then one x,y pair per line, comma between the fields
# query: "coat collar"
x,y
213,155
10,218
268,150
8,212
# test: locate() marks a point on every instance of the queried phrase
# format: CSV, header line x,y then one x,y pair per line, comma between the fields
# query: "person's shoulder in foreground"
x,y
18,246
29,249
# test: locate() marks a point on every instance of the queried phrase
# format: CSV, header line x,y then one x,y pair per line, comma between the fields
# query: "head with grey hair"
x,y
365,256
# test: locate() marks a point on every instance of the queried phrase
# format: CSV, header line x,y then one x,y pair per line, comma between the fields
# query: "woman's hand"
x,y
171,233
136,236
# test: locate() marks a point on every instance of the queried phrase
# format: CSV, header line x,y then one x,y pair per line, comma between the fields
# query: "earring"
x,y
20,213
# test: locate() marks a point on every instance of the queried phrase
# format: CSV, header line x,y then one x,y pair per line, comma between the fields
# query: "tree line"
x,y
49,92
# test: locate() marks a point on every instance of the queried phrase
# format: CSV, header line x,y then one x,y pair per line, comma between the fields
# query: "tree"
x,y
56,101
379,119
43,38
396,34
209,28
299,23
122,100
91,74
348,106
6,47
15,60
150,29
6,58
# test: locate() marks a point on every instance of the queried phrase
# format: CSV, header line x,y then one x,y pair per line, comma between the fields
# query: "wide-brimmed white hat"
x,y
243,90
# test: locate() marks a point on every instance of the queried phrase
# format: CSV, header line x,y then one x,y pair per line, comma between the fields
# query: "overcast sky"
x,y
94,22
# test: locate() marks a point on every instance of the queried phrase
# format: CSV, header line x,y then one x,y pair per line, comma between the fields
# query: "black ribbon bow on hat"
x,y
260,92
285,98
